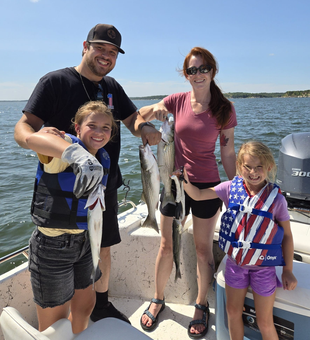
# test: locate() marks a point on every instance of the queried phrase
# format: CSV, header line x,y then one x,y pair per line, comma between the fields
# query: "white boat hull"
x,y
132,275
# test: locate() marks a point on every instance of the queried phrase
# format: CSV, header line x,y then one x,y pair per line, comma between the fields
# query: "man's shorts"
x,y
59,265
201,209
110,230
263,280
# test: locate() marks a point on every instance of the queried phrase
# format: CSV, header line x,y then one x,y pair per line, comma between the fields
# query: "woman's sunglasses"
x,y
202,69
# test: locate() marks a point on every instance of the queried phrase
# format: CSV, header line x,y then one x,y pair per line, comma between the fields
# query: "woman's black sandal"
x,y
206,312
151,316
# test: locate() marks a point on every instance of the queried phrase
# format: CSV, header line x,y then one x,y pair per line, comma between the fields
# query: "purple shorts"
x,y
263,280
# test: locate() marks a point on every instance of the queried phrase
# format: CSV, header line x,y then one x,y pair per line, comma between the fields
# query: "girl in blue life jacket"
x,y
60,259
255,232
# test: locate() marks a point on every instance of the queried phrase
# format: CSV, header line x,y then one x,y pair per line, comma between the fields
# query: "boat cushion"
x,y
14,327
111,329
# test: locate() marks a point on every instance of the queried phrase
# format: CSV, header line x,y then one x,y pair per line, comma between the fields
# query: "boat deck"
x,y
132,280
172,322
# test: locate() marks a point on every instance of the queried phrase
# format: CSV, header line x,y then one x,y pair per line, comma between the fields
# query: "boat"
x,y
132,276
131,288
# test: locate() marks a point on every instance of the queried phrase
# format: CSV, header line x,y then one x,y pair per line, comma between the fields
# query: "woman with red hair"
x,y
201,116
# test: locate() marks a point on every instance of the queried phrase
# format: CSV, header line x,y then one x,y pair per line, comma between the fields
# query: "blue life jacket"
x,y
54,205
248,232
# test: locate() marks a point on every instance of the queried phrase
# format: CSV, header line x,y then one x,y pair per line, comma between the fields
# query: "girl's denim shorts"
x,y
59,265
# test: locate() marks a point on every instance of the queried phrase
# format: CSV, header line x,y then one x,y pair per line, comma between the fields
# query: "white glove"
x,y
85,166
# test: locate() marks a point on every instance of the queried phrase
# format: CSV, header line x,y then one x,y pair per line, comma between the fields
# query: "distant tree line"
x,y
268,95
297,93
286,94
158,97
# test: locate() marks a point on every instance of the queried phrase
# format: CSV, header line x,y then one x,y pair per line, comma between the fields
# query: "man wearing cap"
x,y
54,102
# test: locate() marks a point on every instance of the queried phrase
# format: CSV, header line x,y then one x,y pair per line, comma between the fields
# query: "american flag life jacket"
x,y
248,232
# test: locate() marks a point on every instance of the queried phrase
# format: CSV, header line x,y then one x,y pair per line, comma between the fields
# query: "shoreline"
x,y
287,94
229,95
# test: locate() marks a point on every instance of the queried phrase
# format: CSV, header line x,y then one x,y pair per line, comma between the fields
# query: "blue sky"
x,y
260,45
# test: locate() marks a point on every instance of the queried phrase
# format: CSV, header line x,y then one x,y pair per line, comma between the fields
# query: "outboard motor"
x,y
294,169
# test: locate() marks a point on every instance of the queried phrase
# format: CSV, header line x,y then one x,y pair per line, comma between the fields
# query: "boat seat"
x,y
14,327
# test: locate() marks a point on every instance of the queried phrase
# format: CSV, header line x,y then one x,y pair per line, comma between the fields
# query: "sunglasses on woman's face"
x,y
202,69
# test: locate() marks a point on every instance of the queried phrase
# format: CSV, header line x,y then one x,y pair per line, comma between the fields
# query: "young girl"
x,y
255,233
60,259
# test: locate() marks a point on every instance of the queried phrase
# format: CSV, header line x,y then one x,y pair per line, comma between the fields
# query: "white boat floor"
x,y
172,322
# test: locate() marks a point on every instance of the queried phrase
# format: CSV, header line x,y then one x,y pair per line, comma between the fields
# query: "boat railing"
x,y
21,251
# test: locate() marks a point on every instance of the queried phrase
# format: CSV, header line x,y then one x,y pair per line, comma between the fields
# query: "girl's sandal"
x,y
206,312
151,316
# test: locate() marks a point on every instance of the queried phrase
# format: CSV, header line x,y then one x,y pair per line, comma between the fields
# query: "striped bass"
x,y
177,224
150,184
165,159
176,236
179,198
96,205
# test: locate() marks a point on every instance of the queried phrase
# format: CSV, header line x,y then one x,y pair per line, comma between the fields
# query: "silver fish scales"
x,y
165,159
150,184
96,205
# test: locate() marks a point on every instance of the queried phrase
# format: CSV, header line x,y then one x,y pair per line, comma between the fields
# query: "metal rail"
x,y
15,253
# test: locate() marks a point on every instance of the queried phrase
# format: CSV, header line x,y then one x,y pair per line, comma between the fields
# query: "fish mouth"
x,y
91,207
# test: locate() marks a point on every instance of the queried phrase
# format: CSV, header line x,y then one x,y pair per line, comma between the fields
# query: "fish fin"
x,y
179,211
168,199
150,223
93,276
177,274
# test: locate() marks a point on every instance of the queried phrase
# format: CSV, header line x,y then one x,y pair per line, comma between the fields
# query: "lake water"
x,y
268,120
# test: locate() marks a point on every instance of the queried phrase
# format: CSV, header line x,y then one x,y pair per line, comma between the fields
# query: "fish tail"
x,y
150,223
177,274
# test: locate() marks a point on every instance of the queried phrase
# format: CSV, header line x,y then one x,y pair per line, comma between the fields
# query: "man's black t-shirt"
x,y
58,95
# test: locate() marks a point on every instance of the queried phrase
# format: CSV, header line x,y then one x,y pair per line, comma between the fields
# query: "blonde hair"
x,y
94,107
260,150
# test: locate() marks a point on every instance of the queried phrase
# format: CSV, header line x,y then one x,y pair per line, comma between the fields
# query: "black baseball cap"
x,y
108,34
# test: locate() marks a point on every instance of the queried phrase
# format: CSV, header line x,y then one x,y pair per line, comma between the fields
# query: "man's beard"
x,y
91,65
